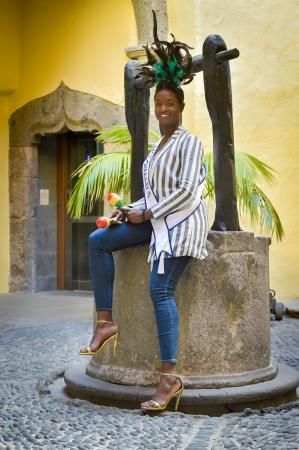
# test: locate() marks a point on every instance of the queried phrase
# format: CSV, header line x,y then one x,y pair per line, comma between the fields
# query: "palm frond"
x,y
252,200
209,189
269,218
251,168
119,135
108,172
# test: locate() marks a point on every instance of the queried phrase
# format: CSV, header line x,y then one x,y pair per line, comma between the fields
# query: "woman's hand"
x,y
133,215
117,216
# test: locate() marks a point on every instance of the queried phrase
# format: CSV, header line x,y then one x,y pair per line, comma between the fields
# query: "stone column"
x,y
224,318
144,23
23,194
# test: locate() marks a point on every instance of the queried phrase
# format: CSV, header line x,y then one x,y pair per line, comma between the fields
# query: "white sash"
x,y
161,227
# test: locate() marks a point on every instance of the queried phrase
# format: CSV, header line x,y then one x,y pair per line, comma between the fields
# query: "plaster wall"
x,y
4,210
79,42
9,45
9,79
265,90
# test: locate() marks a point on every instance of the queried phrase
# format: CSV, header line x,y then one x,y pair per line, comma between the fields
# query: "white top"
x,y
175,174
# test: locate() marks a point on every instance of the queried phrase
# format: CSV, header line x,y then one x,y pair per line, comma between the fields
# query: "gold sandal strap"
x,y
170,374
103,321
154,403
173,375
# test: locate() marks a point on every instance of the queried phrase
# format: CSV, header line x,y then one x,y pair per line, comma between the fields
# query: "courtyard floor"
x,y
39,337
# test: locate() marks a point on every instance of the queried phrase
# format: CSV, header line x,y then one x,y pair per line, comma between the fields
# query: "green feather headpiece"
x,y
171,70
167,61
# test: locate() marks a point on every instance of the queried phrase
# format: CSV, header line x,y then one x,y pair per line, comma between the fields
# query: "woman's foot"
x,y
103,331
169,386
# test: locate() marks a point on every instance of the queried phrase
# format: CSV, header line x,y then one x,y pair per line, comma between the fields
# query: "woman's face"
x,y
168,110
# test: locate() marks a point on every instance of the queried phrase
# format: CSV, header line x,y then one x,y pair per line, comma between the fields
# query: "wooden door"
x,y
72,235
63,221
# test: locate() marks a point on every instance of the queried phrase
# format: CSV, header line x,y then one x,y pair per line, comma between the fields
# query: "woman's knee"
x,y
158,291
96,240
153,285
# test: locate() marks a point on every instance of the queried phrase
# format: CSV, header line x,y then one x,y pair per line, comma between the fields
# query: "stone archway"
x,y
63,109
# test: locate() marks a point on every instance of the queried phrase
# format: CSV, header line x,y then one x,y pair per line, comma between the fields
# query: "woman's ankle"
x,y
168,368
104,316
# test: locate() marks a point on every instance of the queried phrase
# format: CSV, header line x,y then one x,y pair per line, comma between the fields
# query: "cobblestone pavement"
x,y
29,420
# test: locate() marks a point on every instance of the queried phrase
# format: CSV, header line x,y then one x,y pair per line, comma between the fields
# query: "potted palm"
x,y
110,172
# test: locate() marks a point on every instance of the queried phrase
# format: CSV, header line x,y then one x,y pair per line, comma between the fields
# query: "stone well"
x,y
224,347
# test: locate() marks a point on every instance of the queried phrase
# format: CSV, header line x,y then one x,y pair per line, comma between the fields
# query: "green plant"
x,y
104,173
253,203
110,172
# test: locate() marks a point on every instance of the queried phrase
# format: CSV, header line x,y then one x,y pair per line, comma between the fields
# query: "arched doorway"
x,y
61,251
64,116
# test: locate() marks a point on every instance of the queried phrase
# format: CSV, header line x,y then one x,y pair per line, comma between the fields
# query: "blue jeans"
x,y
102,243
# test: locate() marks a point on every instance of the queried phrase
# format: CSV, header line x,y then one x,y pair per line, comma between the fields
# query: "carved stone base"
x,y
214,402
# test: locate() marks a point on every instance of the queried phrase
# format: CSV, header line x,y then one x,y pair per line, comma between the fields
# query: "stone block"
x,y
230,241
23,162
22,255
23,197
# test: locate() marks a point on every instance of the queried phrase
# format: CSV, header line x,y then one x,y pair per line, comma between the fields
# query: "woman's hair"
x,y
168,86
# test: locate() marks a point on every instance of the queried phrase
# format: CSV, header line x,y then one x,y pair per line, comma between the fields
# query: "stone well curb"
x,y
292,308
214,402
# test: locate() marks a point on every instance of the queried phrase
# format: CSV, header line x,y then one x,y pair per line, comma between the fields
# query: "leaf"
x,y
252,200
269,217
117,134
209,189
250,168
108,172
120,136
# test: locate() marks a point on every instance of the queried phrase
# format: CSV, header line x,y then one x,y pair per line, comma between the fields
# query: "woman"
x,y
172,217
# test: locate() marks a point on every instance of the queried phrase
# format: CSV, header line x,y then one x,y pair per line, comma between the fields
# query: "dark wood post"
x,y
218,95
137,117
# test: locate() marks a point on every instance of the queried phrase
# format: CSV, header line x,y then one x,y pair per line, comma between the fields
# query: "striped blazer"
x,y
175,173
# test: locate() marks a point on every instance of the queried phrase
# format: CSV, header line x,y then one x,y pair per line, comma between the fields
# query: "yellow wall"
x,y
9,79
78,41
265,88
9,45
4,222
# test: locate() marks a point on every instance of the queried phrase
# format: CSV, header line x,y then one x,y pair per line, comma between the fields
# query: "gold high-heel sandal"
x,y
153,405
94,352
